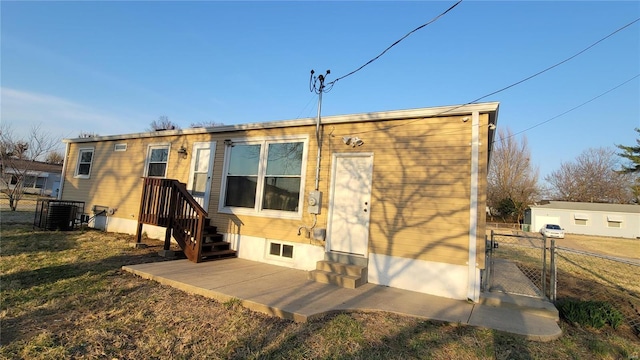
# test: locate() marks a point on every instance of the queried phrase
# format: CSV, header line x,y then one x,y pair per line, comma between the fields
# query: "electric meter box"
x,y
314,202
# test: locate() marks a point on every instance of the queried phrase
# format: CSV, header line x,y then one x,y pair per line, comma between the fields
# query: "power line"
x,y
395,43
517,82
557,64
570,110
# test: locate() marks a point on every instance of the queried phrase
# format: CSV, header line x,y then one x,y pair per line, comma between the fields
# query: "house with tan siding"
x,y
395,198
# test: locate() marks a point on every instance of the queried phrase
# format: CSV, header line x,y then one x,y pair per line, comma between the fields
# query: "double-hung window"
x,y
85,159
157,159
264,177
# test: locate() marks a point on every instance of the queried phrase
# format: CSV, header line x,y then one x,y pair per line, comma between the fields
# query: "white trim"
x,y
452,110
63,175
147,160
615,218
80,151
428,277
472,290
581,216
123,147
257,209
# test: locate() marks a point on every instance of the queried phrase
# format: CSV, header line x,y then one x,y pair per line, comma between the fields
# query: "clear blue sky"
x,y
113,67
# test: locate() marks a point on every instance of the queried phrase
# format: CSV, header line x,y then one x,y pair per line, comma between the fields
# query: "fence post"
x,y
554,273
490,272
544,266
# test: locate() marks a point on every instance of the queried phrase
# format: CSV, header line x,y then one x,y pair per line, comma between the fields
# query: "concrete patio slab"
x,y
286,293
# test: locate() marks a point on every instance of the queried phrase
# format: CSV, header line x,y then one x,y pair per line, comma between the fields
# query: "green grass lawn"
x,y
65,297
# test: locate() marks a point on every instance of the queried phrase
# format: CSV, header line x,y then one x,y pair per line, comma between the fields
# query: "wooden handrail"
x,y
167,203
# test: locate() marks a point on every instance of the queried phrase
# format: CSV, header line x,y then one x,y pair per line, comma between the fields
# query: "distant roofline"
x,y
586,206
488,107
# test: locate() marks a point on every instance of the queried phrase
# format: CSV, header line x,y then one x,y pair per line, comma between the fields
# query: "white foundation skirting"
x,y
434,278
305,256
427,277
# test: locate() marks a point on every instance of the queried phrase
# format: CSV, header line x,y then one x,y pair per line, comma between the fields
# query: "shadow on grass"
x,y
18,239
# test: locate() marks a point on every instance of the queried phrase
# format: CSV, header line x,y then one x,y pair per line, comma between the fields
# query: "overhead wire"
x,y
396,43
511,85
570,110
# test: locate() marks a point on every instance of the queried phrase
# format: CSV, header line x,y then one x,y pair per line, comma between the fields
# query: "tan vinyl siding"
x,y
420,191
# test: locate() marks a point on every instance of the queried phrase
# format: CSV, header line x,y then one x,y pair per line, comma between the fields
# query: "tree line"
x,y
597,175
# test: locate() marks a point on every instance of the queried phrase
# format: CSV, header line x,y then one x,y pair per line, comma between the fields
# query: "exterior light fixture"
x,y
353,141
183,151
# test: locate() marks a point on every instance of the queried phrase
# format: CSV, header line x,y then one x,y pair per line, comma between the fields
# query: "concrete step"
x,y
345,281
346,259
343,269
530,305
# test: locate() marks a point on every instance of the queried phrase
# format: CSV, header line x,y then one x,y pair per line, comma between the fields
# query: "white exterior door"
x,y
199,184
350,203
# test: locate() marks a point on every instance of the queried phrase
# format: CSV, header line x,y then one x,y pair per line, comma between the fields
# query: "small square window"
x,y
274,249
287,251
281,250
120,147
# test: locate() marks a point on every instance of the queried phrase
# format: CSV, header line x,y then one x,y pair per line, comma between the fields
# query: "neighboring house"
x,y
404,190
39,177
615,220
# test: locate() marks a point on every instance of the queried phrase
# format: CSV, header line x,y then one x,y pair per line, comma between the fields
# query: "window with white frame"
x,y
614,221
157,159
264,177
85,159
580,219
282,250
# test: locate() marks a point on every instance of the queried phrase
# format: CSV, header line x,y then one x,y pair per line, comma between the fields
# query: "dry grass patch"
x,y
65,297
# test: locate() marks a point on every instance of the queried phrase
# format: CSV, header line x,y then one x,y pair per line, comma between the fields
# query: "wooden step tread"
x,y
218,252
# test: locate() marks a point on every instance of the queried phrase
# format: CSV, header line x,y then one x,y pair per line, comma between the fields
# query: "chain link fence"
x,y
517,264
24,212
586,276
529,264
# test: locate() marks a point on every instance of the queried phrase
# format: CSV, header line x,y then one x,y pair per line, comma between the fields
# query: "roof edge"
x,y
463,109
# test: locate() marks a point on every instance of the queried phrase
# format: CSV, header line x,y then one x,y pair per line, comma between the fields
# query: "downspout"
x,y
473,275
64,170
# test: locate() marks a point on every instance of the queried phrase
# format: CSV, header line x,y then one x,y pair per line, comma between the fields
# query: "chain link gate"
x,y
520,263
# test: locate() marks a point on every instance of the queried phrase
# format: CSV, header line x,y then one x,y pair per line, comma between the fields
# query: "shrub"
x,y
596,314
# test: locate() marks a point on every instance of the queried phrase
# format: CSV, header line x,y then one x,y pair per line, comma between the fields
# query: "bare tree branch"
x,y
18,157
512,180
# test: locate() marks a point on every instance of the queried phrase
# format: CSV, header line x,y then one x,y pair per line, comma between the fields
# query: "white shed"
x,y
615,220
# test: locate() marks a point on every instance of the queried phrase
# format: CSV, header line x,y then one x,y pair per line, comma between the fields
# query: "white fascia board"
x,y
453,110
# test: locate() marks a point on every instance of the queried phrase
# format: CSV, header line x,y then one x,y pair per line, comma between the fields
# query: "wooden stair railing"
x,y
167,203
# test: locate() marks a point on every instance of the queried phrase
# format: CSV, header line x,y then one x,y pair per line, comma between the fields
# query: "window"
x,y
264,177
157,159
120,147
614,221
580,219
85,157
41,182
282,250
29,181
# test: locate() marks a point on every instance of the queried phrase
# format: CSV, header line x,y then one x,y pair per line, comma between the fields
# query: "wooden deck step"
x,y
218,254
